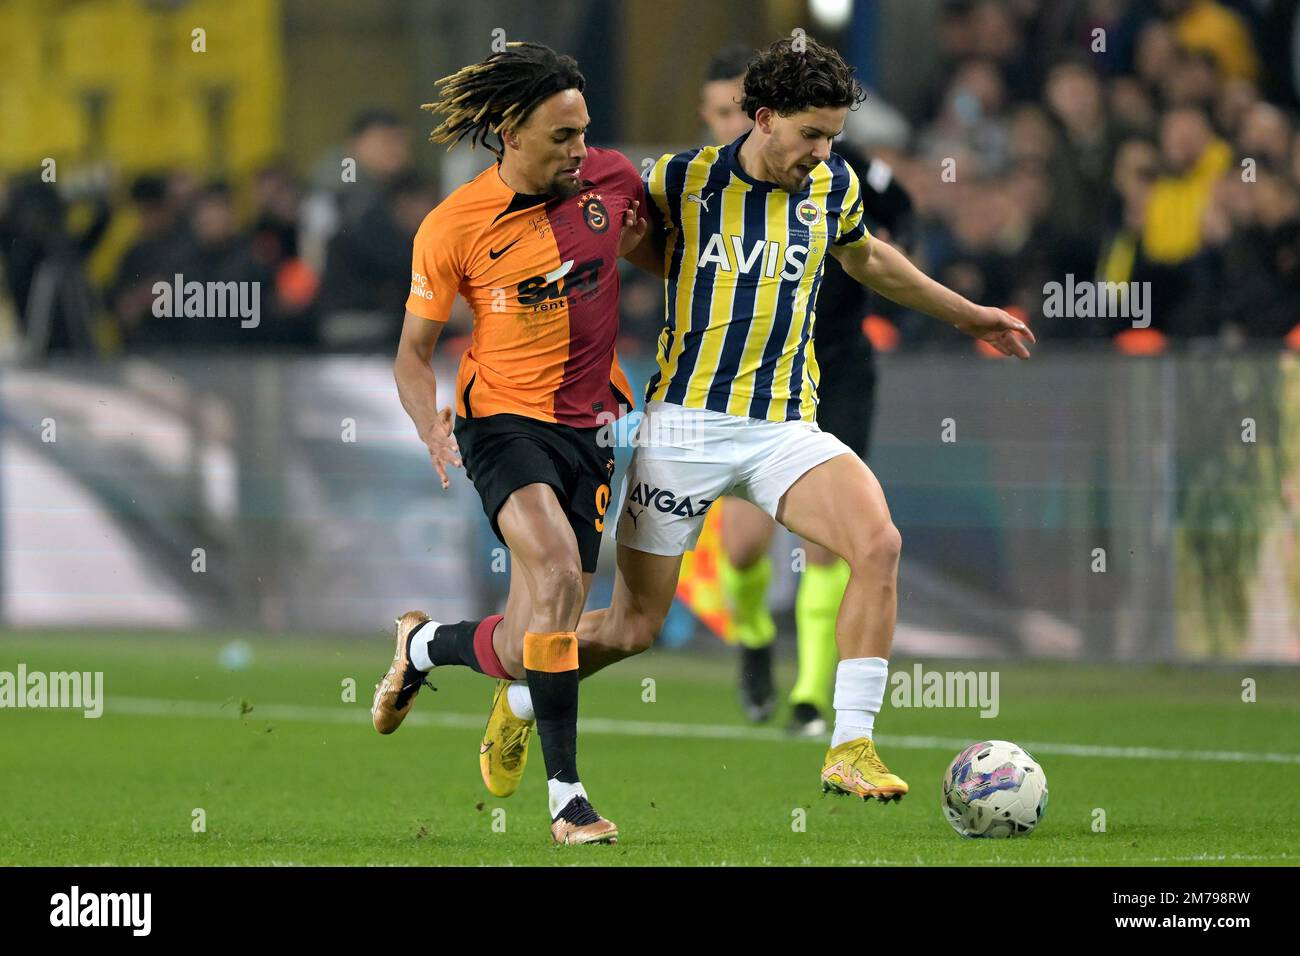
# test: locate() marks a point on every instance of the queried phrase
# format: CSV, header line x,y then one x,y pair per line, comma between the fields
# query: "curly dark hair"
x,y
500,92
790,81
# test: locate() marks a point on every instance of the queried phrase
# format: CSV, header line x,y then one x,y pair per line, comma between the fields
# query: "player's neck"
x,y
513,177
750,158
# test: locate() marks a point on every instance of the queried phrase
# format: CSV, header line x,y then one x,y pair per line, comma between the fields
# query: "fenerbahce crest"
x,y
808,213
594,212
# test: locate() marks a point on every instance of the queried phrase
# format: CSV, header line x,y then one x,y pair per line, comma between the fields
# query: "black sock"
x,y
555,703
454,644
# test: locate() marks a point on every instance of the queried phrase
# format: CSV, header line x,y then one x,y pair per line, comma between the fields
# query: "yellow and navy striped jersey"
x,y
744,262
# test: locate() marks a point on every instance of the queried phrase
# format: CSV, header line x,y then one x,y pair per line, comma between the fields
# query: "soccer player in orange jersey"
x,y
532,244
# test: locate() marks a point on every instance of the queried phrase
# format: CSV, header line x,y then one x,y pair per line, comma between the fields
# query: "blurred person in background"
x,y
997,32
1236,98
992,31
44,261
183,190
972,127
1080,165
380,148
1265,135
1131,105
277,206
721,93
1121,259
154,255
1250,288
1193,158
277,209
366,271
1216,29
1156,53
1194,81
217,251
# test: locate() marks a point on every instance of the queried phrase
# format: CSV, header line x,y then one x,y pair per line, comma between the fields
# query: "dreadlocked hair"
x,y
500,92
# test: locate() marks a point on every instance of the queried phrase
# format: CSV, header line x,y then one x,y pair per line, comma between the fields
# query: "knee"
x,y
639,632
744,553
559,586
878,551
742,559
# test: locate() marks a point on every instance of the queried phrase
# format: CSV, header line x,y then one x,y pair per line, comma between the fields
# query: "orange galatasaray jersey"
x,y
541,276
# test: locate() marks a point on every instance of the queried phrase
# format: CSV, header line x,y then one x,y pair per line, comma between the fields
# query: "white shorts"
x,y
684,459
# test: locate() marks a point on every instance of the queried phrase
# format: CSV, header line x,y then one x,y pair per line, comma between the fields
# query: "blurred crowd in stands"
x,y
331,253
1114,140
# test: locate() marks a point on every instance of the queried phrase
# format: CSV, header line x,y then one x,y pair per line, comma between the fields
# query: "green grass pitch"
x,y
288,772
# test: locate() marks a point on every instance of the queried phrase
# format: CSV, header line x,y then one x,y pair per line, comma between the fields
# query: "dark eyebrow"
x,y
824,133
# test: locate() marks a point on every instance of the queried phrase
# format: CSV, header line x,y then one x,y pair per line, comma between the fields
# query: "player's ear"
x,y
763,118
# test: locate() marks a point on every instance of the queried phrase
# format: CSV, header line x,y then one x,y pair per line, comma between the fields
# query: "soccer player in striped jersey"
x,y
740,233
532,243
846,394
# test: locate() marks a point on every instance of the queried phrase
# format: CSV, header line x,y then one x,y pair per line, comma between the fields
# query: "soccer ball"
x,y
994,789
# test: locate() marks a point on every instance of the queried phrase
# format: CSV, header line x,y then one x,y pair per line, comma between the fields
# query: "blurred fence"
x,y
1076,505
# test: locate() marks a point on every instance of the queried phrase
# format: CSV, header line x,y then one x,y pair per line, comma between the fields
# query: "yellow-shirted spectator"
x,y
1194,158
1207,25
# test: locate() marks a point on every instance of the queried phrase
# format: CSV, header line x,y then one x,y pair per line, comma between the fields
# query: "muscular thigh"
x,y
511,460
536,529
838,504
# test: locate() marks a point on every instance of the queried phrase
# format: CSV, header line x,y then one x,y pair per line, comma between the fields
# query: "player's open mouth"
x,y
802,171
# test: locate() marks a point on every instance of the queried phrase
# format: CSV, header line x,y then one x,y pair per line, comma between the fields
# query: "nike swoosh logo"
x,y
484,748
497,254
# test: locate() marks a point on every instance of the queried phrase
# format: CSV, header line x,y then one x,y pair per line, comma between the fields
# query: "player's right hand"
x,y
442,445
634,227
1000,329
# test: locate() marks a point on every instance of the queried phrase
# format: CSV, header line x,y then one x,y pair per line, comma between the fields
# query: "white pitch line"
x,y
344,714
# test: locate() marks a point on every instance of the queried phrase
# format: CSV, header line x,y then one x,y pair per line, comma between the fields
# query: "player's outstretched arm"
x,y
881,267
417,387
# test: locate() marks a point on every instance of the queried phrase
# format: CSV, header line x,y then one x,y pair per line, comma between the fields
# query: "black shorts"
x,y
502,453
846,400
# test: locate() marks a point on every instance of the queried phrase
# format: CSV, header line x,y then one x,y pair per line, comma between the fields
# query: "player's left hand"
x,y
1000,329
633,229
